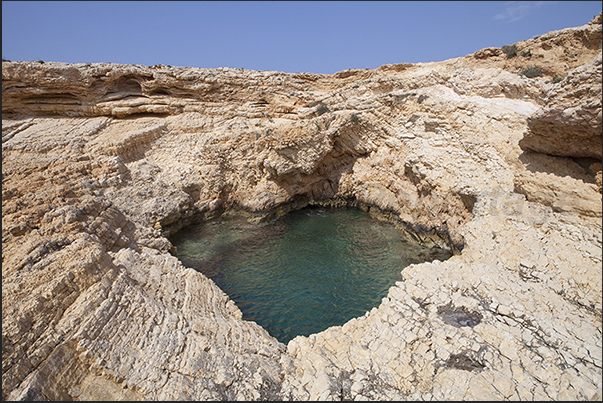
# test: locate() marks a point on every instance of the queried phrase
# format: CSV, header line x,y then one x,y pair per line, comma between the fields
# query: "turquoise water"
x,y
305,271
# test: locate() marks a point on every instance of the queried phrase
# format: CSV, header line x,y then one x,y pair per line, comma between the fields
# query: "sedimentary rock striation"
x,y
101,162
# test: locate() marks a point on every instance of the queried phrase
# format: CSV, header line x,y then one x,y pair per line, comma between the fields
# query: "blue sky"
x,y
291,36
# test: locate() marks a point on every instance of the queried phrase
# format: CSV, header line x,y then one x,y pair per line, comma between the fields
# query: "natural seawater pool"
x,y
305,271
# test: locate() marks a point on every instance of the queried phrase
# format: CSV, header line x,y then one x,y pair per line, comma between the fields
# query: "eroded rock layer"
x,y
101,162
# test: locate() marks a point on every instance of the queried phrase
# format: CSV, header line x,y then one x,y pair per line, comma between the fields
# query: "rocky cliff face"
x,y
101,162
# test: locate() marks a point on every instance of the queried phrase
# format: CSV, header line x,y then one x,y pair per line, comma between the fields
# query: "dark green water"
x,y
304,272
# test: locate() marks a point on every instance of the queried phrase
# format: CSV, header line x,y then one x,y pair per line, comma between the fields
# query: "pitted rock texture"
x,y
570,123
101,162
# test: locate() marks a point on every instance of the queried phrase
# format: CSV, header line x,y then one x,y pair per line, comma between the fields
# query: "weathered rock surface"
x,y
570,123
101,162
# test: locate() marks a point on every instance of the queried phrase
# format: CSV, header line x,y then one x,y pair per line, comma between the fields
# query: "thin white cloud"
x,y
516,10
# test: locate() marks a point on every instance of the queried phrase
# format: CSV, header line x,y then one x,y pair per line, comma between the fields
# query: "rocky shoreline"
x,y
101,162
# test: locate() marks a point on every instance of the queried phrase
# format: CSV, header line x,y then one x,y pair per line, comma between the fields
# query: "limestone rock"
x,y
102,162
570,122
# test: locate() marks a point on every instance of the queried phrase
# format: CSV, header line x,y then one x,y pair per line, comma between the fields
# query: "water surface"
x,y
304,272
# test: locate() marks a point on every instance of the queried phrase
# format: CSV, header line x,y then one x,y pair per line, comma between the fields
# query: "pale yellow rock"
x,y
570,123
102,162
